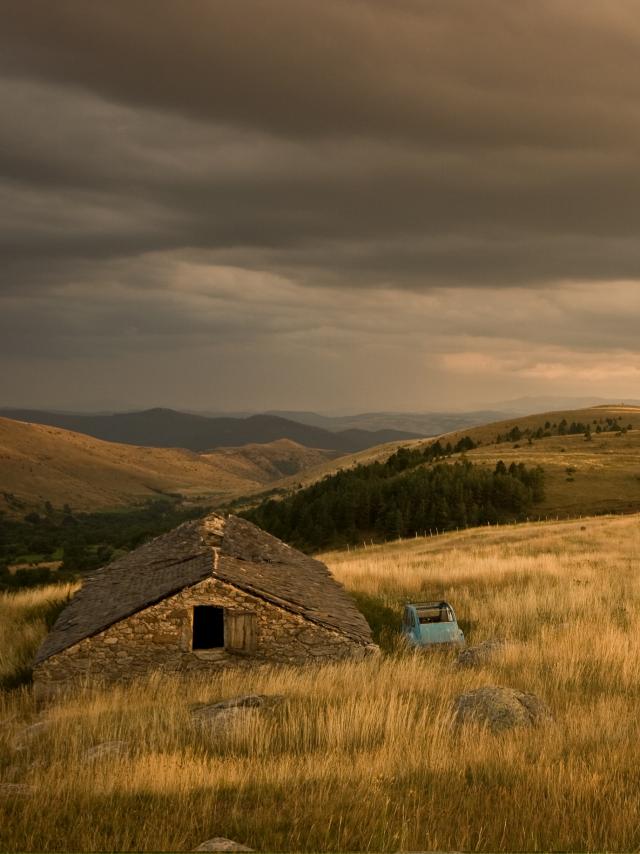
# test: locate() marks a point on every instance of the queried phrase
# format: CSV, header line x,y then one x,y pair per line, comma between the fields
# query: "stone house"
x,y
212,593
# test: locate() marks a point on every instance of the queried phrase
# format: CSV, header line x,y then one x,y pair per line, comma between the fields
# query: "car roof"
x,y
436,603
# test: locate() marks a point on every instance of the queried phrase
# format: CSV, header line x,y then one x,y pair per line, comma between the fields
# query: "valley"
x,y
40,464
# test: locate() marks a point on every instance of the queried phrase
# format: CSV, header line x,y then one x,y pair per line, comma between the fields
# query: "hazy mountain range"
x,y
167,428
436,423
417,423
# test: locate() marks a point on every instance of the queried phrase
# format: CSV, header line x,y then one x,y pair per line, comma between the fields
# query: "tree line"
x,y
563,428
82,541
399,498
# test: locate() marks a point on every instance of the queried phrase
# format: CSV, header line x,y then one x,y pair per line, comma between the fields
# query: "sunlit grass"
x,y
25,618
363,756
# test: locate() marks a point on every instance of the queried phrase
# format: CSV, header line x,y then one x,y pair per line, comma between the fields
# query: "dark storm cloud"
x,y
92,179
444,177
442,70
405,119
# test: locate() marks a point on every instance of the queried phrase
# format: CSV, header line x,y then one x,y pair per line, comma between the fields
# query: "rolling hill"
x,y
582,477
167,428
40,463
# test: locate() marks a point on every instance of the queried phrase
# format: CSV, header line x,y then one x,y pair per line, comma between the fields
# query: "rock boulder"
x,y
500,708
106,749
474,656
217,717
220,843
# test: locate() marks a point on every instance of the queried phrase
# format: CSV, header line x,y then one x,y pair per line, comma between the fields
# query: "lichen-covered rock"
x,y
500,708
12,790
111,749
219,843
35,729
220,716
25,736
244,701
474,656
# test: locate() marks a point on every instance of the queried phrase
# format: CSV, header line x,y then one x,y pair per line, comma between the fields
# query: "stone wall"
x,y
160,638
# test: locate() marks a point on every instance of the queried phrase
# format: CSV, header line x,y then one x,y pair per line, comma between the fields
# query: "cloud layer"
x,y
408,204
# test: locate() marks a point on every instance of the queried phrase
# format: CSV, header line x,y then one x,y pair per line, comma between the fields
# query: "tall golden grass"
x,y
24,620
363,756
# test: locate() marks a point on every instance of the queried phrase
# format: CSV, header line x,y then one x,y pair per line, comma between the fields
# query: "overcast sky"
x,y
335,205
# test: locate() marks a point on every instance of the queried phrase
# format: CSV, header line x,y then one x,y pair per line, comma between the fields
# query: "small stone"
x,y
219,843
218,717
30,732
36,728
473,656
106,749
245,701
219,720
500,708
9,790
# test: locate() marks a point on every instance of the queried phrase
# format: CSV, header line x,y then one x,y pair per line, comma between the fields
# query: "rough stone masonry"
x,y
252,598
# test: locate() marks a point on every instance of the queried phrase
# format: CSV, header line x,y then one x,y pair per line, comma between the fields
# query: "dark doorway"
x,y
208,627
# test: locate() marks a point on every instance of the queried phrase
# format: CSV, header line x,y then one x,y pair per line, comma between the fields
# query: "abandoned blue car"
x,y
430,623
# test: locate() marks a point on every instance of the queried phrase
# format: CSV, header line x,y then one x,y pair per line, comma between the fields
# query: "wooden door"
x,y
240,631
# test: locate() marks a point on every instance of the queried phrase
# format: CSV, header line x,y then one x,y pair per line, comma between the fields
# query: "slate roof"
x,y
228,548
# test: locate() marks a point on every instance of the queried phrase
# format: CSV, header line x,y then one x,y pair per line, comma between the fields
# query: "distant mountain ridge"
x,y
168,428
421,423
552,403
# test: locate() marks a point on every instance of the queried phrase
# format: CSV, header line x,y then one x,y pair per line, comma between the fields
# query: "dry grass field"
x,y
363,756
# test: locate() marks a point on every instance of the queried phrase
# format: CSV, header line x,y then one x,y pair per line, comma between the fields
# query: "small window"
x,y
208,627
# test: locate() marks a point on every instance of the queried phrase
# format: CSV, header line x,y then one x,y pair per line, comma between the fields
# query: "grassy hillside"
x,y
363,756
39,463
402,497
581,478
599,476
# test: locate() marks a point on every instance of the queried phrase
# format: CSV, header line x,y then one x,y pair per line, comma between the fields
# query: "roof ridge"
x,y
229,548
